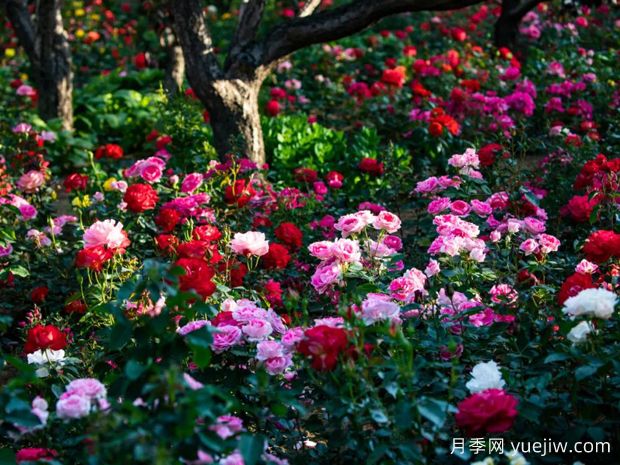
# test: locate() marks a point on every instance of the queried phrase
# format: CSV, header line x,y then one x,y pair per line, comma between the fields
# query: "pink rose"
x,y
257,330
107,233
72,405
31,181
387,221
325,275
460,208
250,243
321,250
346,250
548,243
191,182
481,208
439,205
529,246
226,337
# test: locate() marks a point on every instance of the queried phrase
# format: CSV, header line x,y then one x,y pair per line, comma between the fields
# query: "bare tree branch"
x,y
19,16
340,22
250,15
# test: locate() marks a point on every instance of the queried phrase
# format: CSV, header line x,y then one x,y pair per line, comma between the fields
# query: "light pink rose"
x,y
227,426
72,405
88,387
387,221
529,246
257,330
321,250
379,307
548,243
346,251
226,337
586,267
278,365
432,268
108,233
250,243
31,181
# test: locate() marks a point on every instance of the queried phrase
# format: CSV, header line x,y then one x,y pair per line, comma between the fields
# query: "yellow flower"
x,y
107,185
23,77
82,202
79,33
9,52
80,12
95,17
226,16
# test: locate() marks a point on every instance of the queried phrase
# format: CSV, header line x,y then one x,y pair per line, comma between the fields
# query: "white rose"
x,y
485,376
594,302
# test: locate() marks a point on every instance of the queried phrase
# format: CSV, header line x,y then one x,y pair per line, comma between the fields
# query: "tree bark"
x,y
507,26
55,78
175,70
235,118
49,54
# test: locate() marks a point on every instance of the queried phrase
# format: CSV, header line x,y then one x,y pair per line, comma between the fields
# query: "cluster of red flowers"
x,y
599,178
440,120
112,151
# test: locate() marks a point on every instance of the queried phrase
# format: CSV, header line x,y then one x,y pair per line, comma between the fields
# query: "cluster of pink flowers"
x,y
80,398
243,321
342,254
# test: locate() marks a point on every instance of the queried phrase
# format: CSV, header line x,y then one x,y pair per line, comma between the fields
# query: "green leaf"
x,y
585,371
251,448
433,410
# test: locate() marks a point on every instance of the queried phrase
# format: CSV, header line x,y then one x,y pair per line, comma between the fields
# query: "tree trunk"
x,y
235,118
507,26
54,77
175,71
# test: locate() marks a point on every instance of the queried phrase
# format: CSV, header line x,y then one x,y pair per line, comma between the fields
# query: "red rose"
x,y
290,235
435,129
93,258
579,208
237,271
141,61
273,107
489,411
33,454
224,319
206,232
192,249
76,306
76,181
273,293
487,154
394,77
334,179
39,294
458,34
140,198
323,344
240,193
45,337
277,257
197,277
372,166
167,219
573,285
163,141
109,151
601,246
167,243
305,175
